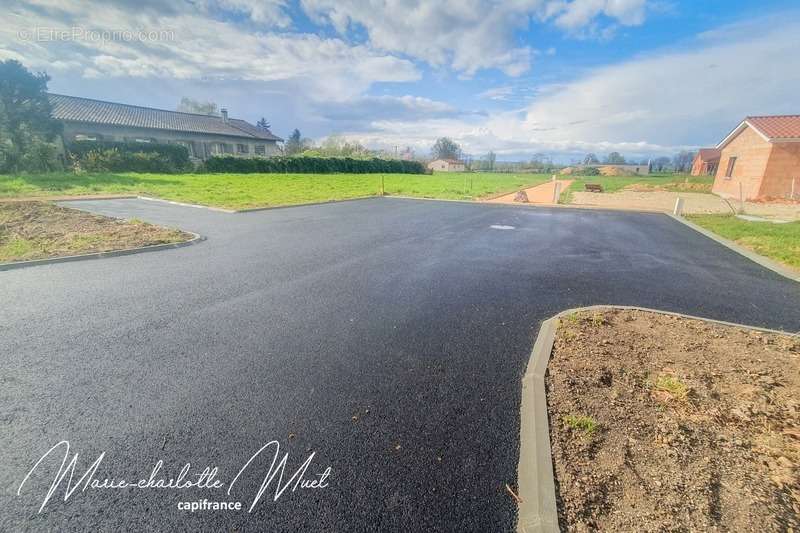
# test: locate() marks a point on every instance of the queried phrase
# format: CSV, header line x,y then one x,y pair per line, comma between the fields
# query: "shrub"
x,y
590,171
107,156
312,165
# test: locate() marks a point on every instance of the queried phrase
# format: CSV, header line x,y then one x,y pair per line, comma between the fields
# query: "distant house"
x,y
447,165
706,162
760,158
85,119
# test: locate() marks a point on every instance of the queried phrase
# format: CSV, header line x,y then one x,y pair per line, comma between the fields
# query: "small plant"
x,y
598,319
672,385
586,424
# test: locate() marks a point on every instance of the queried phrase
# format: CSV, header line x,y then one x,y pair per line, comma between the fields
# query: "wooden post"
x,y
556,191
793,188
741,198
383,189
465,184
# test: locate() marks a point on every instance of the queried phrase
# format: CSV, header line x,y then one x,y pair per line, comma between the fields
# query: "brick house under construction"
x,y
760,159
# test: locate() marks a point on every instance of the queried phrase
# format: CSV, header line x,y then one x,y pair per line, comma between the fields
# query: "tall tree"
x,y
26,125
491,157
590,159
189,105
682,161
262,124
294,144
446,148
615,158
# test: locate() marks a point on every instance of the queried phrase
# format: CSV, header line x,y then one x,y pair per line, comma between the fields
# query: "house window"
x,y
731,164
242,149
227,148
261,149
85,137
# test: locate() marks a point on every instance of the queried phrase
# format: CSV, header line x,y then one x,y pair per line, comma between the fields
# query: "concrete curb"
x,y
325,202
531,205
751,255
182,204
67,198
537,511
100,255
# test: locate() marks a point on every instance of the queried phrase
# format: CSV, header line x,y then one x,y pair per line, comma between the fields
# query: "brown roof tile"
x,y
100,112
777,126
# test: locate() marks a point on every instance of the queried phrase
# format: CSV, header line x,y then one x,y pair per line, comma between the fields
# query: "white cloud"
x,y
497,93
465,35
194,46
648,106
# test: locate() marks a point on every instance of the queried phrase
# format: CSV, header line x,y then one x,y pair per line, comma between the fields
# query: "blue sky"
x,y
519,77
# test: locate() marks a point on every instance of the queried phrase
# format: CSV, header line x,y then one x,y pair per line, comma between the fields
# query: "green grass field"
x,y
780,242
240,191
669,182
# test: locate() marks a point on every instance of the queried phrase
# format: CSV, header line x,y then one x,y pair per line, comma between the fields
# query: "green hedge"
x,y
312,165
108,156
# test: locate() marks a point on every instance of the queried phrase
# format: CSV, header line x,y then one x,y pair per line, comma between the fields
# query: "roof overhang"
x,y
747,124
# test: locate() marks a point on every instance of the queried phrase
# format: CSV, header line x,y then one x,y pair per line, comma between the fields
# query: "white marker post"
x,y
678,211
556,191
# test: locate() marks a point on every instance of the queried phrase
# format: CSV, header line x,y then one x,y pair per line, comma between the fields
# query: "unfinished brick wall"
x,y
783,167
752,153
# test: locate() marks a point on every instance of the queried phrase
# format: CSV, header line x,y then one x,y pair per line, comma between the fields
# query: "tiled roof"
x,y
99,112
708,154
777,126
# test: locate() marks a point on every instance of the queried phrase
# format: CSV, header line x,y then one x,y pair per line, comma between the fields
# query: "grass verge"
x,y
780,242
241,191
652,182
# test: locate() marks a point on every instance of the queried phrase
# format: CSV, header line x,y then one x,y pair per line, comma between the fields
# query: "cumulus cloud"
x,y
465,35
191,46
648,106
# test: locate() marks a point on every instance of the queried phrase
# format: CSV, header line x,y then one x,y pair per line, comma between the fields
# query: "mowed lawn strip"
x,y
241,191
780,242
38,230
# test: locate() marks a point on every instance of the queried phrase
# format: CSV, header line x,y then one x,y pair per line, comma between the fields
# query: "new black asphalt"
x,y
388,336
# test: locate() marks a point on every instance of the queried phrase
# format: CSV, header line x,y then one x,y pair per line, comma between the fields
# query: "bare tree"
x,y
446,148
189,105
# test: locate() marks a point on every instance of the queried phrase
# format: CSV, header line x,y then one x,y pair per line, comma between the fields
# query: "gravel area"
x,y
660,423
694,203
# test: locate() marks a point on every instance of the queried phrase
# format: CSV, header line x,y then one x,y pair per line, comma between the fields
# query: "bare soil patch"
x,y
37,230
660,423
540,194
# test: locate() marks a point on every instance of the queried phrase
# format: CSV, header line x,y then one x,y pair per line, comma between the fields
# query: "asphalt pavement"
x,y
385,336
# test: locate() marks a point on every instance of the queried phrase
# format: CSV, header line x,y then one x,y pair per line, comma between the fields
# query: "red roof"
x,y
777,126
708,154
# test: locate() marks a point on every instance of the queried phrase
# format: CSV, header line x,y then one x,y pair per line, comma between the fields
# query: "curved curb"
x,y
100,255
751,255
537,511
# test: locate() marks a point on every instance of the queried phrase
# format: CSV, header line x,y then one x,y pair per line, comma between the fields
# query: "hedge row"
x,y
100,156
312,165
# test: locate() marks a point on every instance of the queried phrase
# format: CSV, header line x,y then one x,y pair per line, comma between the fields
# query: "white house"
x,y
447,165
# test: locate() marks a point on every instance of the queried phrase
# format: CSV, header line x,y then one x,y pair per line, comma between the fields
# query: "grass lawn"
x,y
780,242
667,182
240,191
36,230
